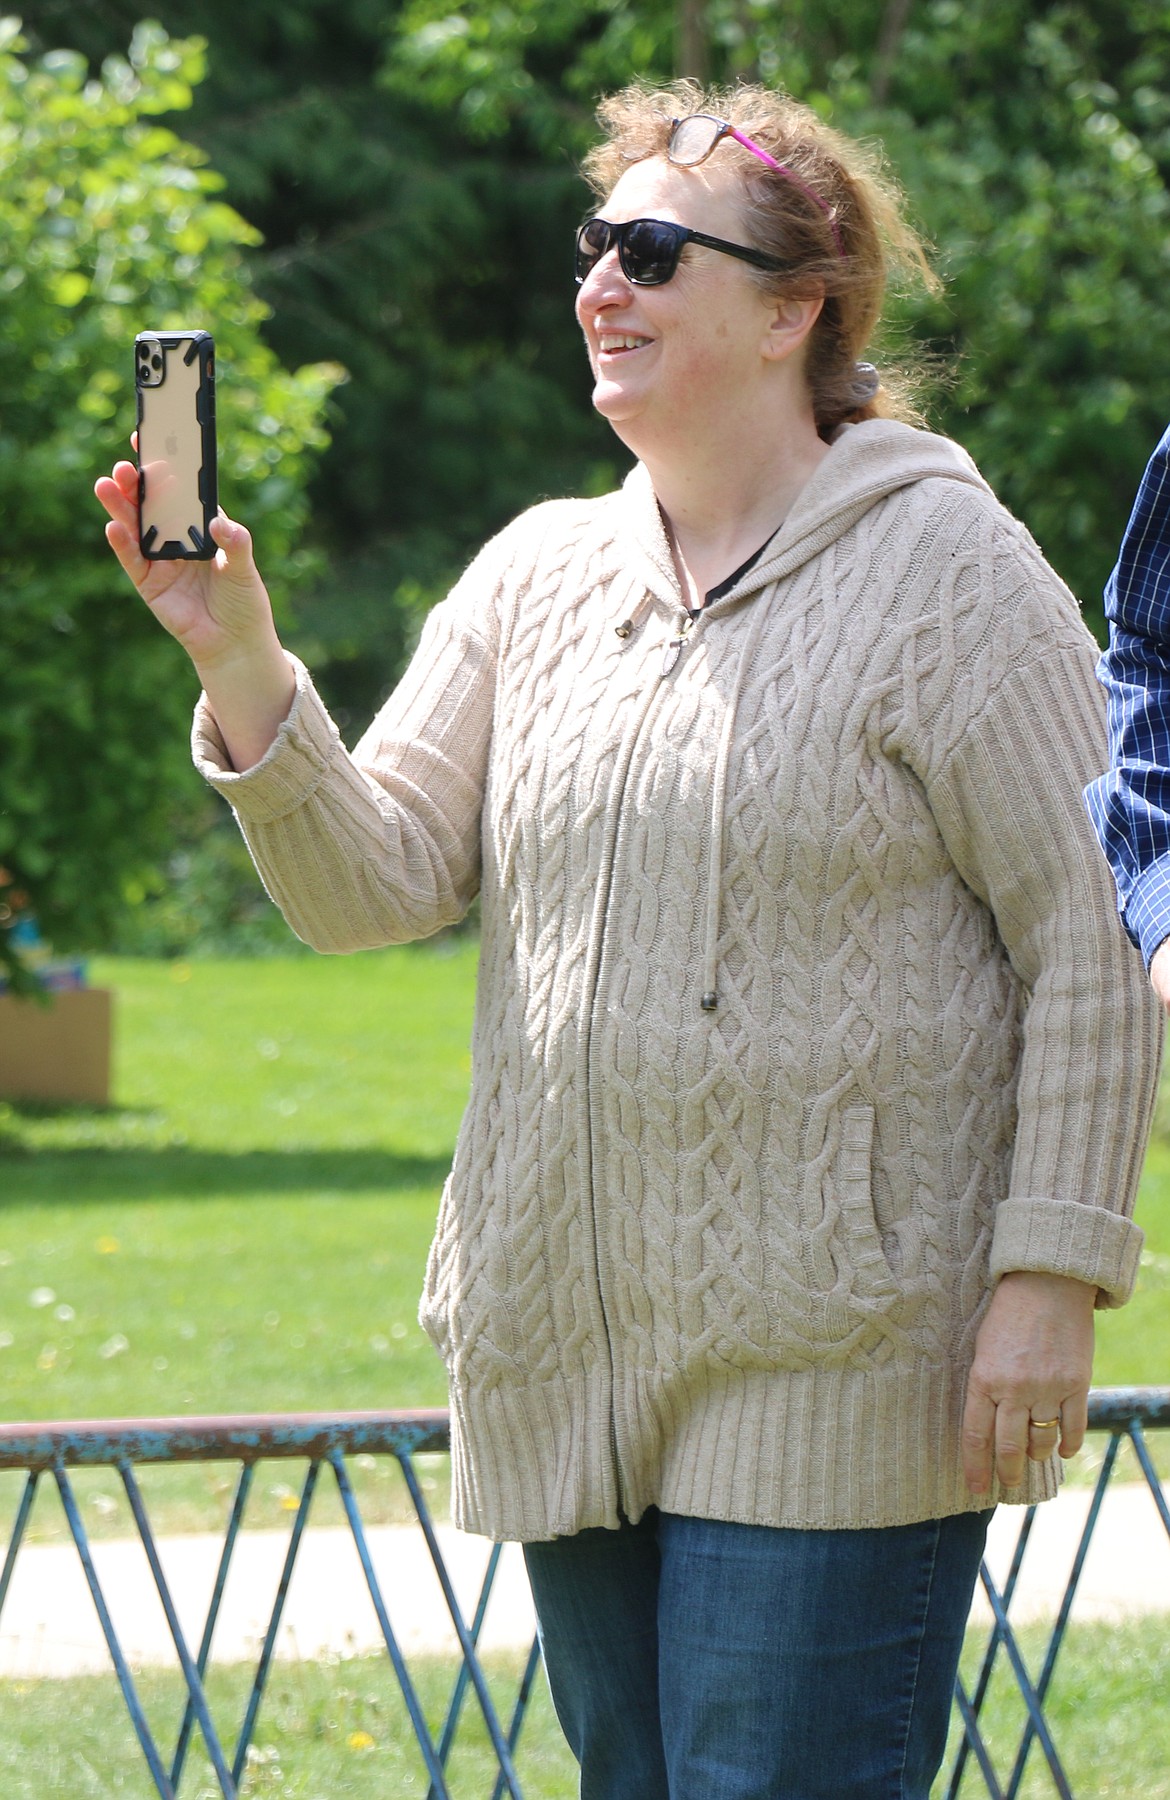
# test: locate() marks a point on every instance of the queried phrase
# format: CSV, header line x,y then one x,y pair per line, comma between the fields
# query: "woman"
x,y
811,1072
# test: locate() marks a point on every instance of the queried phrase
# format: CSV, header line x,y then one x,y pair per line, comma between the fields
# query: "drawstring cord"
x,y
710,994
709,1000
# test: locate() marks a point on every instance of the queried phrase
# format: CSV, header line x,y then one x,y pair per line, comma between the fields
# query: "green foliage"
x,y
110,223
527,68
205,900
1035,142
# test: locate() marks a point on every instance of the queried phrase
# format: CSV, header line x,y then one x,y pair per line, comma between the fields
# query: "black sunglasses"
x,y
649,249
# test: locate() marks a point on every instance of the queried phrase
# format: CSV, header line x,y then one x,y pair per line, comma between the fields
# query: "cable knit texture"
x,y
731,1262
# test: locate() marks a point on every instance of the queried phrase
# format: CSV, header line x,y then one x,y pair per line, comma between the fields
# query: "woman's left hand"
x,y
1033,1362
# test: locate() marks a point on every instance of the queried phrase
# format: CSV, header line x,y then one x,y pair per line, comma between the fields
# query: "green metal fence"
x,y
325,1443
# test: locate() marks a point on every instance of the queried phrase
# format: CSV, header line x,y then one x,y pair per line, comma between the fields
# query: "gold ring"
x,y
1044,1424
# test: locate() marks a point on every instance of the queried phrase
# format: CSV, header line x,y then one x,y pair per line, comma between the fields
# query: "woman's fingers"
x,y
123,541
217,609
978,1440
999,1435
997,1438
1043,1434
118,493
1074,1422
1011,1443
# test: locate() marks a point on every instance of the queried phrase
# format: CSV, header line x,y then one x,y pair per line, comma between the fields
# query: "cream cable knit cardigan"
x,y
730,1258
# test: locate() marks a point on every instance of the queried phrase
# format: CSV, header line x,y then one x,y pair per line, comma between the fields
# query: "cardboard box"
x,y
57,1052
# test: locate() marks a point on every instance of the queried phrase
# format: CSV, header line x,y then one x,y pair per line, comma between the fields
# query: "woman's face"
x,y
687,356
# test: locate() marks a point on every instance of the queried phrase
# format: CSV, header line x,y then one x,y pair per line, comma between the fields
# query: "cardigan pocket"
x,y
872,1278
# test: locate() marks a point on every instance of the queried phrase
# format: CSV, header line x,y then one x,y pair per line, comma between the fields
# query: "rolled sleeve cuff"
x,y
1061,1237
1147,908
291,769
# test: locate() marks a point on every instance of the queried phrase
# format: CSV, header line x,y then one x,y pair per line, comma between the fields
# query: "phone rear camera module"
x,y
150,362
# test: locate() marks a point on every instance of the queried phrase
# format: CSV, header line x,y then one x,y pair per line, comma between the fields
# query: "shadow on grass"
x,y
90,1173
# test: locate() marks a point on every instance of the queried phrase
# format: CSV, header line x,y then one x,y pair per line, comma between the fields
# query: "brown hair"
x,y
849,242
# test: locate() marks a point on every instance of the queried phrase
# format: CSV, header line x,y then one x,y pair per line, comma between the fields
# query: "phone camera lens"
x,y
156,362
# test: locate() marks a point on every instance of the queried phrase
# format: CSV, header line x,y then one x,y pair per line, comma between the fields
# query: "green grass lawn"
x,y
1106,1711
325,1732
246,1228
328,1731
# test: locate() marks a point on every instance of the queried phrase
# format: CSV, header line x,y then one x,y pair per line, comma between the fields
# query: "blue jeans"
x,y
695,1660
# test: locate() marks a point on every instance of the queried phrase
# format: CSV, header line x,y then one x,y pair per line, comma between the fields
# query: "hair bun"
x,y
866,382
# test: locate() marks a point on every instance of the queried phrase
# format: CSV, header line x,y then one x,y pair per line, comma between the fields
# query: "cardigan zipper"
x,y
616,812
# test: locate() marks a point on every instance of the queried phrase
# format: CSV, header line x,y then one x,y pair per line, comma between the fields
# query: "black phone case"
x,y
174,376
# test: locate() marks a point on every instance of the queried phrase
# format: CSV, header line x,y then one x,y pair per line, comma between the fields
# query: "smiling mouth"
x,y
615,343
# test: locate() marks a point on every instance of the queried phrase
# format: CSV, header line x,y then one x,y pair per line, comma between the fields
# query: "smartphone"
x,y
174,377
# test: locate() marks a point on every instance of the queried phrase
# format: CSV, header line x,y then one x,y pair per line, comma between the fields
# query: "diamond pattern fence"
x,y
324,1443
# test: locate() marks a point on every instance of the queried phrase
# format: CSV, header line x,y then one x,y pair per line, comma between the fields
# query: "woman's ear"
x,y
791,321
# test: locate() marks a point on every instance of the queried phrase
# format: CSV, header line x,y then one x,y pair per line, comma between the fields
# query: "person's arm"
x,y
1021,731
381,845
377,848
1130,804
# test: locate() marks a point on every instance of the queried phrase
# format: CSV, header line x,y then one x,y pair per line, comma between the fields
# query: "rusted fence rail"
x,y
325,1441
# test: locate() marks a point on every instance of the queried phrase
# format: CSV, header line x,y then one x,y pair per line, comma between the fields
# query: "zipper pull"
x,y
674,648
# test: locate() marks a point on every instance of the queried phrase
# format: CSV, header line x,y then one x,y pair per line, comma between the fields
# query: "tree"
x,y
109,223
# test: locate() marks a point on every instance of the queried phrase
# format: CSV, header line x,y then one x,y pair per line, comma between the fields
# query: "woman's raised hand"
x,y
219,611
215,609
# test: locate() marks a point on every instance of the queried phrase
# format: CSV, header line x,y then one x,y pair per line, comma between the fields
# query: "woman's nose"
x,y
605,284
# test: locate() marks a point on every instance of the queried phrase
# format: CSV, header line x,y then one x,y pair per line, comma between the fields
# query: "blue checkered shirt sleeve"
x,y
1130,805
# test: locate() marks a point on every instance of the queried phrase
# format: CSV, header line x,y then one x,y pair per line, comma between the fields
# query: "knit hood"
x,y
866,463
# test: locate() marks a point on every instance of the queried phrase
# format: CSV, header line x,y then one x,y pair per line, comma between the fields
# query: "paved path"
x,y
49,1626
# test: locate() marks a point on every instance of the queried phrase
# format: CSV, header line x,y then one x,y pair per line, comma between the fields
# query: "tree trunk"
x,y
691,35
893,25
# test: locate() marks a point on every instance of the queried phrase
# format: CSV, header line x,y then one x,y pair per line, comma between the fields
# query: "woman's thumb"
x,y
234,539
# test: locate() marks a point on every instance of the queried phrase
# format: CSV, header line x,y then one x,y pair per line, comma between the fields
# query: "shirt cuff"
x,y
1064,1237
290,770
1147,908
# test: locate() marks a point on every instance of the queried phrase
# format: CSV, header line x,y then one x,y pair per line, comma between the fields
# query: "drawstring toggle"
x,y
671,654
